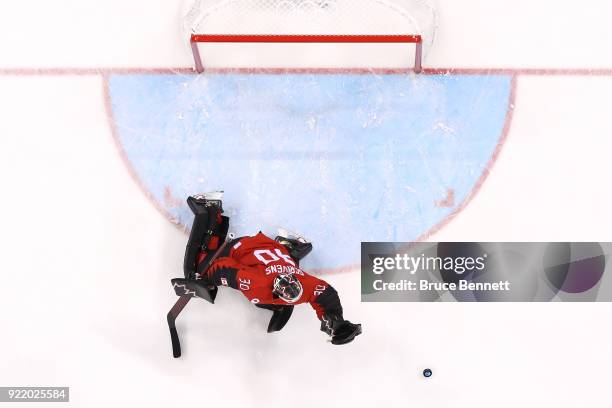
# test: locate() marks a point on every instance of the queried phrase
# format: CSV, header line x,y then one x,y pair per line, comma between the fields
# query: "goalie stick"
x,y
172,315
187,289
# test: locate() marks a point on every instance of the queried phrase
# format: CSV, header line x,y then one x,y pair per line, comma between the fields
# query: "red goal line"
x,y
312,38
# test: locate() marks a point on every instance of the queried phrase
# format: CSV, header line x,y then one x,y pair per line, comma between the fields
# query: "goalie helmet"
x,y
288,288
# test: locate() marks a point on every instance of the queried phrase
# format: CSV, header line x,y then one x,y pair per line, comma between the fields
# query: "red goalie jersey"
x,y
251,265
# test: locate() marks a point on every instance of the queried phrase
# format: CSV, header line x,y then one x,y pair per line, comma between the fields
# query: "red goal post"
x,y
417,40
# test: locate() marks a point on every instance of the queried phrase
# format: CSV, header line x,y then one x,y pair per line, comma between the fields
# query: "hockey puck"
x,y
427,373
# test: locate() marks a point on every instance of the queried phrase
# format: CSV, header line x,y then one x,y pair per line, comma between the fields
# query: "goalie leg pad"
x,y
194,244
280,316
208,231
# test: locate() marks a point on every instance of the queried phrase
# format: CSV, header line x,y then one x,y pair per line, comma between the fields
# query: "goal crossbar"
x,y
307,38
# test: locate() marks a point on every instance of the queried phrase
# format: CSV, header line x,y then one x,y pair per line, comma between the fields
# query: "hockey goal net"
x,y
409,24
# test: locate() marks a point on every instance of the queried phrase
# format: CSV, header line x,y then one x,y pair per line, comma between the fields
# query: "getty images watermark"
x,y
485,272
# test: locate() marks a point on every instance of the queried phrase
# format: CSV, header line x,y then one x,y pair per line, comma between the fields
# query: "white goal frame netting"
x,y
310,21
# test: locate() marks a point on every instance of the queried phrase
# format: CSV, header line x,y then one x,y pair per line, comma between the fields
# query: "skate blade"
x,y
212,195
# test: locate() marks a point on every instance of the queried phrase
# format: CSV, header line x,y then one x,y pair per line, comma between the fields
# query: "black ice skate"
x,y
199,202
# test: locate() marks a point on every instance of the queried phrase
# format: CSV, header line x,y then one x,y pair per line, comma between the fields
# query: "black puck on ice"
x,y
427,373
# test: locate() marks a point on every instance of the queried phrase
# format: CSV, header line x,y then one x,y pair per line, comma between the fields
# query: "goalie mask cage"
x,y
409,23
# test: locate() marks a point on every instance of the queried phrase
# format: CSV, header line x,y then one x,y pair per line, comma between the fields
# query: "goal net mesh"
x,y
311,17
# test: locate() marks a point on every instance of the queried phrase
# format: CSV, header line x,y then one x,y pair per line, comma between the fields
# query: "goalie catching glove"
x,y
341,331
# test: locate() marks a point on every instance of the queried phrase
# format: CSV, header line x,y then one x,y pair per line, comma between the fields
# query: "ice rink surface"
x,y
87,256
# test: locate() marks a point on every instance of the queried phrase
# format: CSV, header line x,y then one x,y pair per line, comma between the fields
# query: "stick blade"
x,y
176,344
171,317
